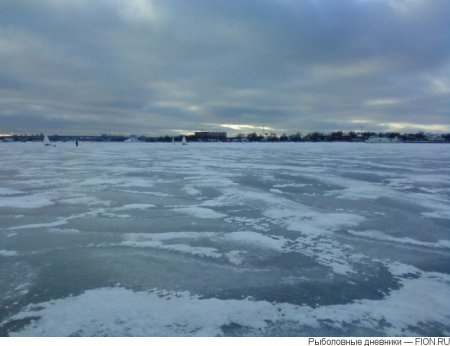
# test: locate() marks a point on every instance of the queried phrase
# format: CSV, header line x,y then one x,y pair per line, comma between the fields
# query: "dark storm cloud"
x,y
150,66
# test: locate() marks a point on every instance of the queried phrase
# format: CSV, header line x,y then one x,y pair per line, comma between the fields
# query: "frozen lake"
x,y
298,239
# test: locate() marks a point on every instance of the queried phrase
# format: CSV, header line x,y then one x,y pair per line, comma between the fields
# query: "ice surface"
x,y
247,239
118,311
225,239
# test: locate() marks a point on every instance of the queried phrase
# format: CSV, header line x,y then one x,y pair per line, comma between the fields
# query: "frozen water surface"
x,y
296,239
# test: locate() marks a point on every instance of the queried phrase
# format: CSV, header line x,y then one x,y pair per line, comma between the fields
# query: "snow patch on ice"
x,y
171,235
85,200
308,221
57,223
297,217
401,269
150,193
356,189
257,239
159,241
64,230
290,185
8,253
276,191
156,194
248,223
200,212
182,248
115,216
352,188
404,240
123,182
327,252
444,213
420,179
156,241
236,257
139,206
6,191
25,202
191,191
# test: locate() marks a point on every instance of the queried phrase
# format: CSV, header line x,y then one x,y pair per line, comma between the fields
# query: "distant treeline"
x,y
340,136
336,136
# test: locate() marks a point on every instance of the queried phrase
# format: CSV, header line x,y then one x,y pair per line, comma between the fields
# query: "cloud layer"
x,y
150,67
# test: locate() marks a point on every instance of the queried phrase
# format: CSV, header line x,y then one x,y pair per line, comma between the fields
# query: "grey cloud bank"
x,y
151,67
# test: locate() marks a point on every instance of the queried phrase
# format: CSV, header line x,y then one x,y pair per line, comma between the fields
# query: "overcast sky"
x,y
166,66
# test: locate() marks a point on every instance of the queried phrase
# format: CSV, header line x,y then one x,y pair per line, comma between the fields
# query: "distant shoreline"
x,y
226,142
200,137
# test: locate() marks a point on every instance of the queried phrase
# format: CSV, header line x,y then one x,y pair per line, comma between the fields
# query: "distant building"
x,y
210,136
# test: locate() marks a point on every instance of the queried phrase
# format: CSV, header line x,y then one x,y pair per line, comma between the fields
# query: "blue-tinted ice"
x,y
298,239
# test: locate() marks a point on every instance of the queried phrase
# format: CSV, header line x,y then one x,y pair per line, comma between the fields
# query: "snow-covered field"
x,y
298,239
